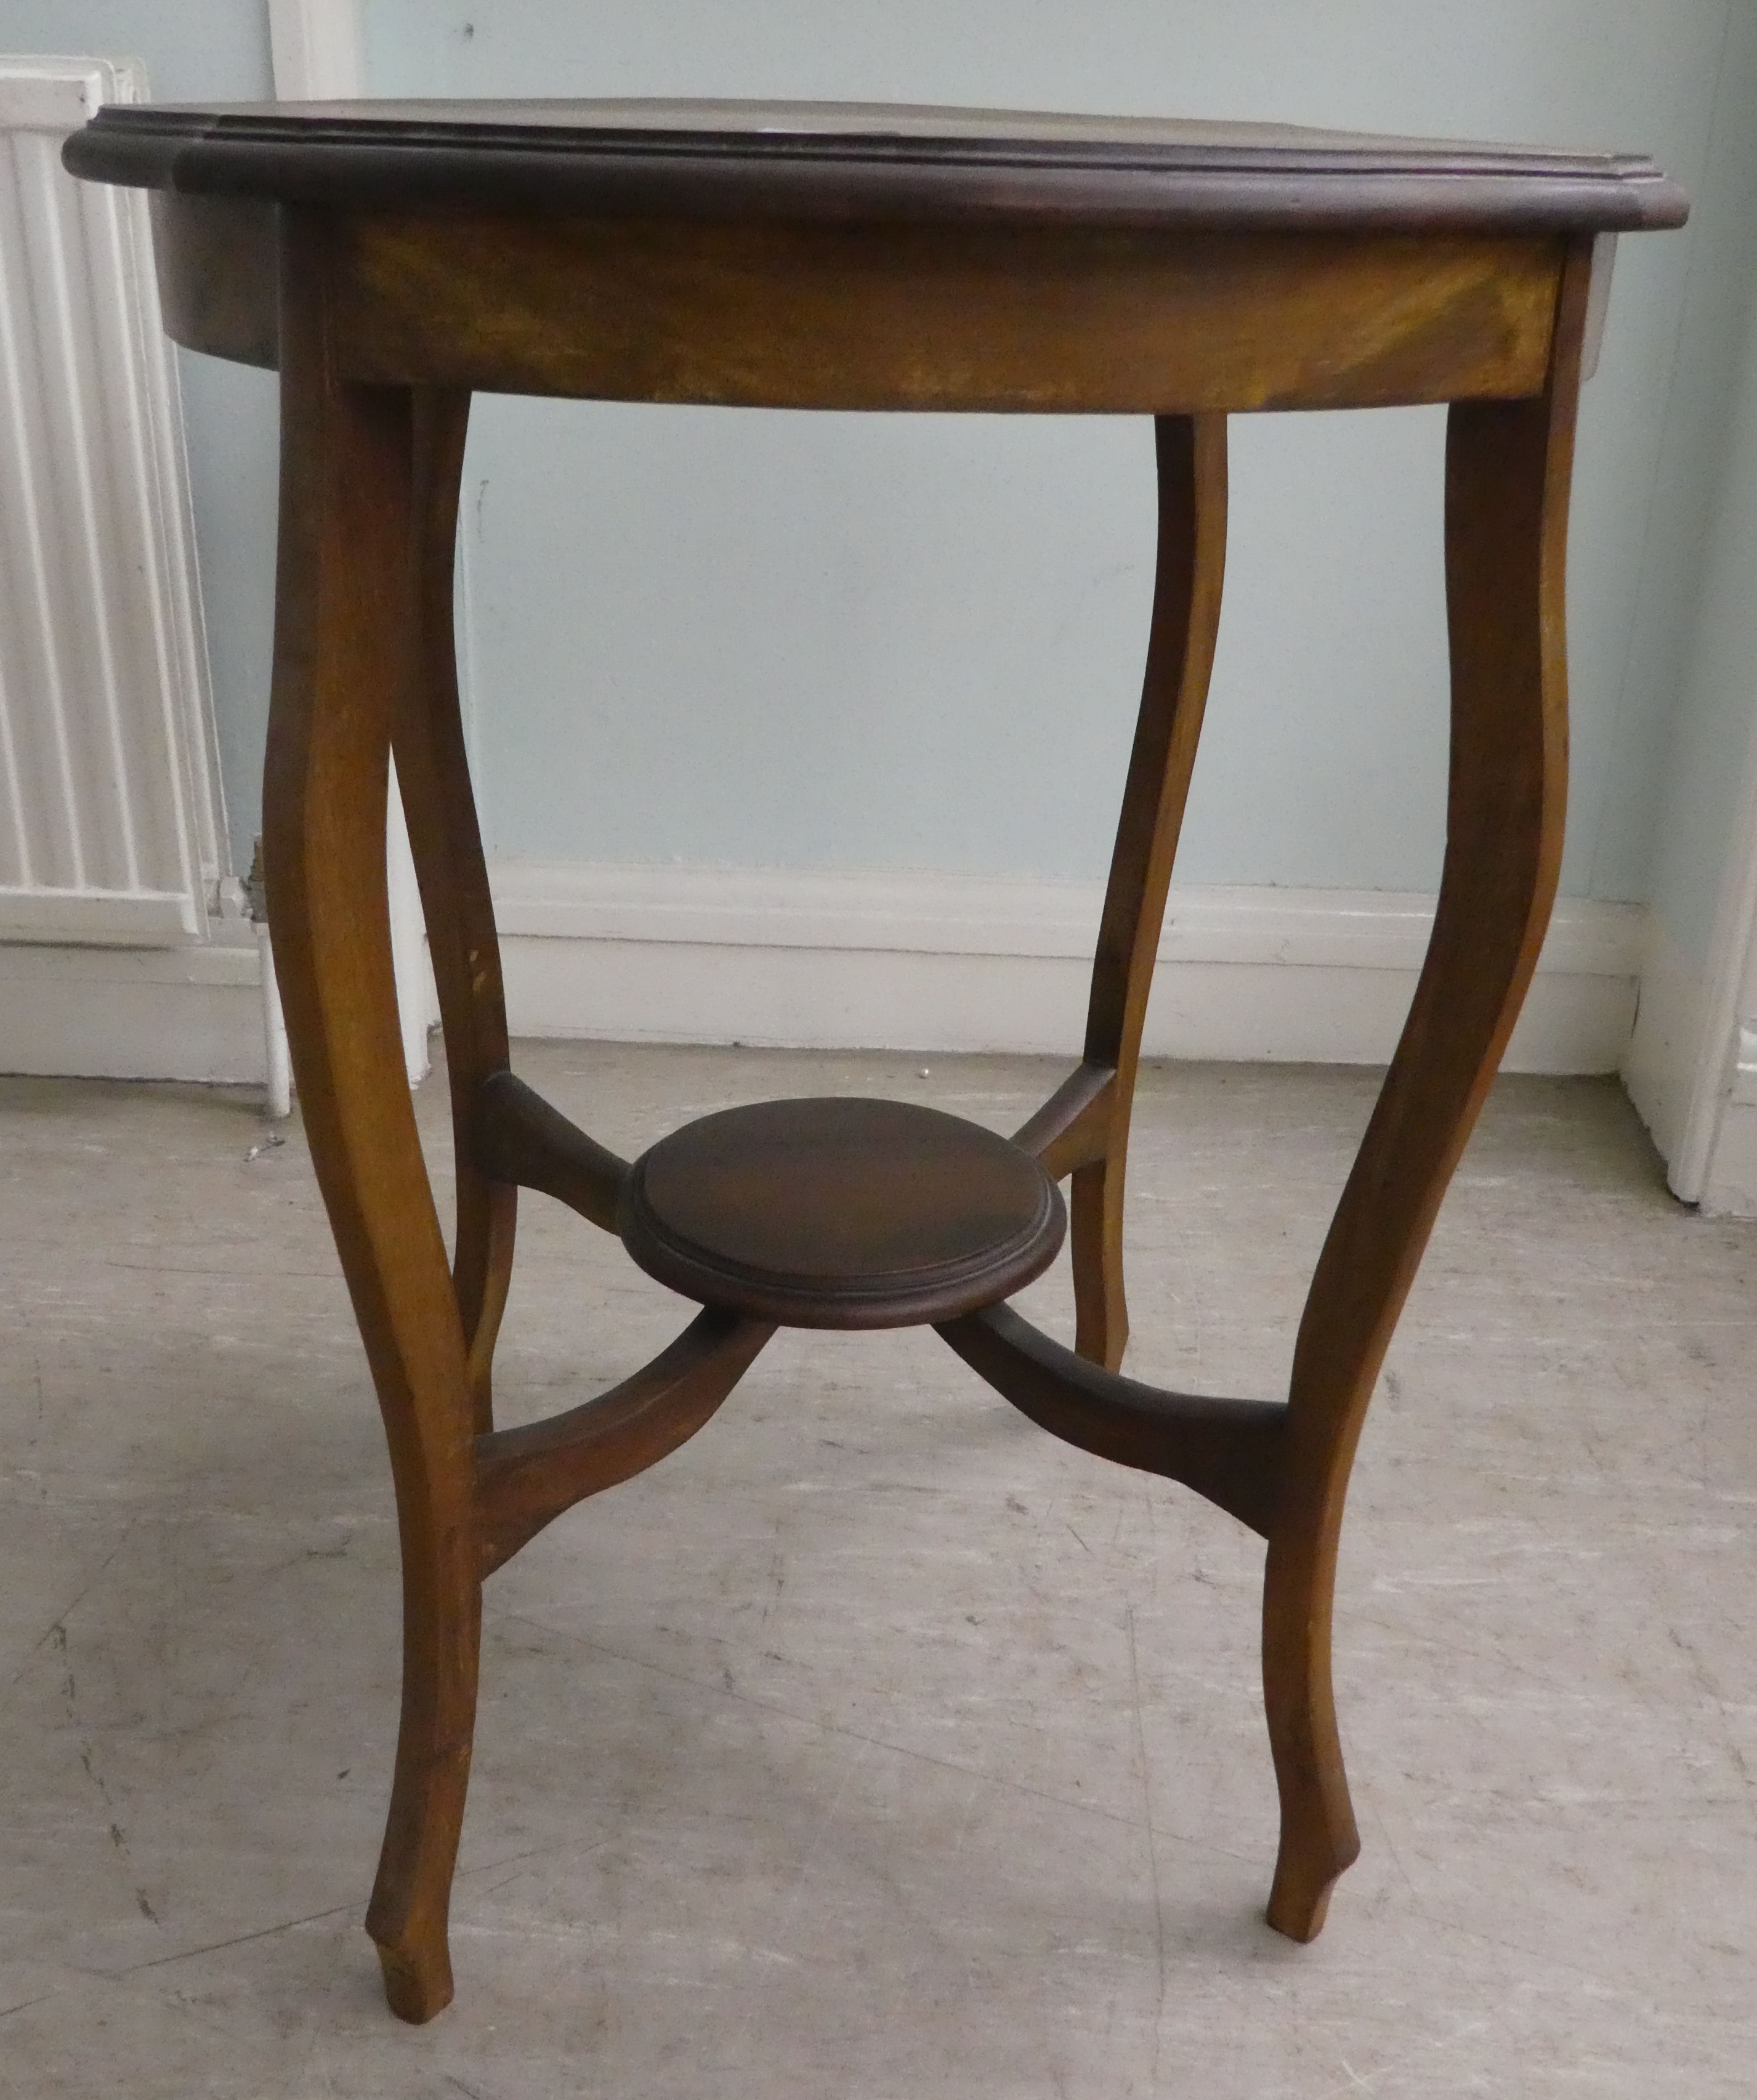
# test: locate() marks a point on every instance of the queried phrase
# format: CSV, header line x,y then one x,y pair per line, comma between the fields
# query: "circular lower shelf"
x,y
842,1213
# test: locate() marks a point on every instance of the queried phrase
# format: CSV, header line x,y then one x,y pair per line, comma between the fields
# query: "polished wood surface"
x,y
924,317
855,315
520,1142
526,1477
433,775
1192,457
346,649
1508,467
1228,1450
841,1213
392,259
838,160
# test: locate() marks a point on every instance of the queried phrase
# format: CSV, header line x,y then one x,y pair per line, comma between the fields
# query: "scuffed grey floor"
x,y
876,1745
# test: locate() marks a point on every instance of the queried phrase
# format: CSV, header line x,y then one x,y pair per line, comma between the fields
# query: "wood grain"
x,y
518,1138
841,1212
1044,319
1072,1127
1052,318
390,263
527,1477
218,260
1190,454
1228,1450
432,773
797,160
1507,466
344,652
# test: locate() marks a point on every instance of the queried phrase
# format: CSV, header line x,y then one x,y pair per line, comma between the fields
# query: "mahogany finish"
x,y
747,160
526,1477
390,259
841,1213
1191,452
1228,1450
865,315
520,1142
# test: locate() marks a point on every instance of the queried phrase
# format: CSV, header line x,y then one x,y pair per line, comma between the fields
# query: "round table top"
x,y
844,160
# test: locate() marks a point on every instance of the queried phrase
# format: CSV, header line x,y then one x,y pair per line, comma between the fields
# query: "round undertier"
x,y
841,1213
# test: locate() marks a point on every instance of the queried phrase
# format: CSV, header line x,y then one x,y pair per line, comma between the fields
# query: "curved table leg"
x,y
1508,466
341,656
433,771
1191,456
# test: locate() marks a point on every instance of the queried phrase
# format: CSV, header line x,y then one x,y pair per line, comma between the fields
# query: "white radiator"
x,y
110,815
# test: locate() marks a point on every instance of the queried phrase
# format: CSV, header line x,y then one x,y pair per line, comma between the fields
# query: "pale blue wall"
x,y
1705,515
195,50
1705,775
864,642
903,642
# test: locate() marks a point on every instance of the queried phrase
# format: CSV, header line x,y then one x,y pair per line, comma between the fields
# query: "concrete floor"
x,y
876,1743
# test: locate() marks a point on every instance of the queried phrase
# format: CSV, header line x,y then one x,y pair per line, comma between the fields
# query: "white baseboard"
x,y
1694,1089
1666,1049
935,962
133,1013
918,962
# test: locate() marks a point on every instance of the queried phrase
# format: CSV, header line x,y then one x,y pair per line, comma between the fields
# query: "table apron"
x,y
1045,319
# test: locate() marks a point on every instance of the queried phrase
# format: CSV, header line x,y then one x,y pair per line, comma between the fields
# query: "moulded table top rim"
x,y
729,155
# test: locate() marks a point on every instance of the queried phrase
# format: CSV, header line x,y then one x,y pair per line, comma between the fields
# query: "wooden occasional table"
x,y
393,258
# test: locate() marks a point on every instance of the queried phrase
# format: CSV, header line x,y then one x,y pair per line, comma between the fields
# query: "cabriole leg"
x,y
1507,466
433,771
343,630
1190,452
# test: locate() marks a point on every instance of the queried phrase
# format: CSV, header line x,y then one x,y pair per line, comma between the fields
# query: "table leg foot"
x,y
1300,1899
408,1916
1319,1841
417,1985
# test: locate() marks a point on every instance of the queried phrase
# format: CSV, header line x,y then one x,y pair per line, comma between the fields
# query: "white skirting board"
x,y
135,1014
1692,1074
1662,1069
918,962
935,962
